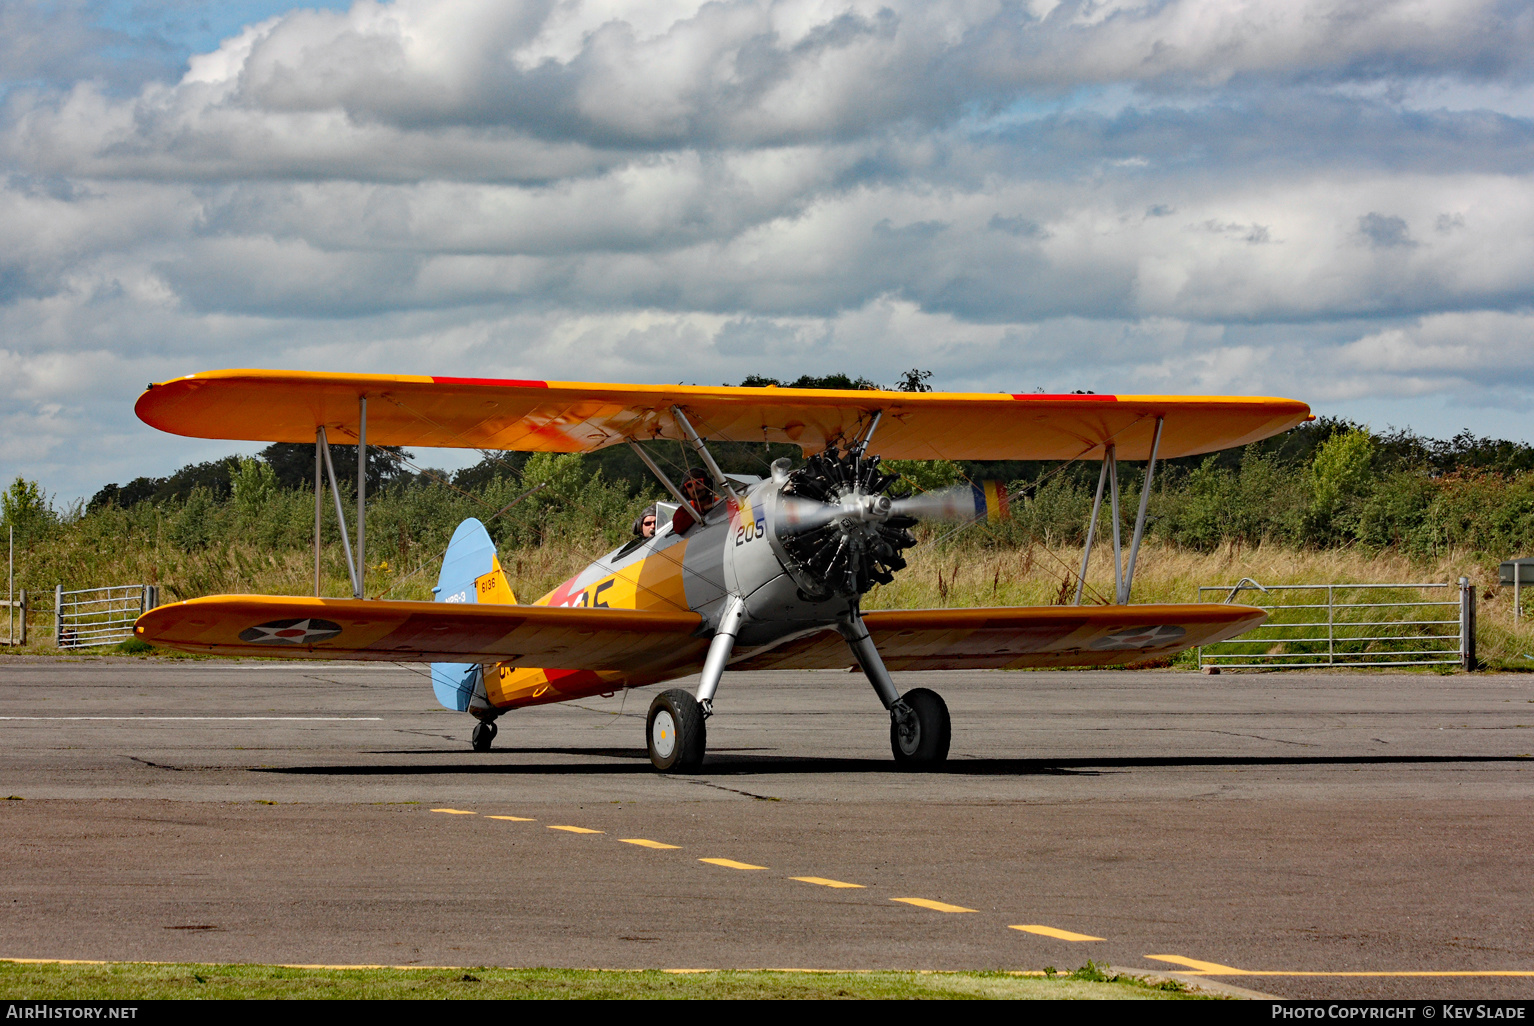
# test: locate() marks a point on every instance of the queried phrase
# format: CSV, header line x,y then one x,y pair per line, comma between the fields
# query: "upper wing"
x,y
565,416
1016,637
314,628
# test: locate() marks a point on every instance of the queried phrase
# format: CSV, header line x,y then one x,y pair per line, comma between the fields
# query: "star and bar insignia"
x,y
1140,637
303,631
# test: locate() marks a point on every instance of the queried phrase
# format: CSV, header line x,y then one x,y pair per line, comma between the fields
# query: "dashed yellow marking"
x,y
576,830
731,864
645,843
1198,968
514,819
456,812
823,882
936,906
1057,934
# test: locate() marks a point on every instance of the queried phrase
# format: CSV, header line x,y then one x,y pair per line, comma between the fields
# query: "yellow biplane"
x,y
743,572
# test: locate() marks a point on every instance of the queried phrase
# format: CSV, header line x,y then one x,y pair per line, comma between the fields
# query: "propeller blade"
x,y
986,500
797,515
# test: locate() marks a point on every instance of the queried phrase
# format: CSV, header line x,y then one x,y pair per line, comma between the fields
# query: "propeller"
x,y
843,533
799,515
961,502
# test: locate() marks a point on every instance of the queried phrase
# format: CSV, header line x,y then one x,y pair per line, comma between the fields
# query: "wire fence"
x,y
93,617
1348,625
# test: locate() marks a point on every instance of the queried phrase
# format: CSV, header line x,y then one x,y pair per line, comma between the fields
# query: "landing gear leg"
x,y
675,732
920,730
484,734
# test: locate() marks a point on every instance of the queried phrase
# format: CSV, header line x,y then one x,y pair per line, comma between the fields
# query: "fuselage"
x,y
734,551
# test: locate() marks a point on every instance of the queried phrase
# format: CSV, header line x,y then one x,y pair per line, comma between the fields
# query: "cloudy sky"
x,y
1325,199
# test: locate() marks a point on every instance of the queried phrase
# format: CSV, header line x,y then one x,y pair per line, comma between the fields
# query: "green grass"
x,y
939,576
120,981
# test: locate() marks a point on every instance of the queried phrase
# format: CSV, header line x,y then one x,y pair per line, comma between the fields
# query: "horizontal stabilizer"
x,y
313,628
1014,637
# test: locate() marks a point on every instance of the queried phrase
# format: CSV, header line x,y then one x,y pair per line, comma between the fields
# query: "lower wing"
x,y
1015,637
423,632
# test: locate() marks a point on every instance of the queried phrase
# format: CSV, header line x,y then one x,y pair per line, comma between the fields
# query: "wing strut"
x,y
362,491
676,492
1145,490
319,503
355,568
1097,505
702,450
1123,571
323,445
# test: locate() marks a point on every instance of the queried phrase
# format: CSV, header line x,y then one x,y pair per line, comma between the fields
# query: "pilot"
x,y
644,526
698,490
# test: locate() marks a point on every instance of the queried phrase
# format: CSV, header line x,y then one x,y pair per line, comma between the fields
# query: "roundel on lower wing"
x,y
1130,638
303,631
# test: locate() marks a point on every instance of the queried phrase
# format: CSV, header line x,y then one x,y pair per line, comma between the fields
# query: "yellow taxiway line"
x,y
1050,931
1199,968
1187,966
936,906
731,864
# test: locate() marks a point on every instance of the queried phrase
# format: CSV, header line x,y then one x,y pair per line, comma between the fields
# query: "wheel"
x,y
922,739
675,732
484,734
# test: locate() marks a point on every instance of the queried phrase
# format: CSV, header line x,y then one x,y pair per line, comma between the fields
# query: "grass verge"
x,y
126,981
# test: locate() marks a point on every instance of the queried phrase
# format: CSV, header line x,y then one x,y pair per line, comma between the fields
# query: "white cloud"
x,y
1325,198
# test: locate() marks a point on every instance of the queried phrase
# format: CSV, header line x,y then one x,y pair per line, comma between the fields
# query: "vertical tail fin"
x,y
470,573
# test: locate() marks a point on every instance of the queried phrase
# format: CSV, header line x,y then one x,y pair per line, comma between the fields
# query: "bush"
x,y
194,526
25,508
1341,476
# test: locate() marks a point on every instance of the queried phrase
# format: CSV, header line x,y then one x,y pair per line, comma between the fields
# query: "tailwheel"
x,y
484,734
675,732
920,729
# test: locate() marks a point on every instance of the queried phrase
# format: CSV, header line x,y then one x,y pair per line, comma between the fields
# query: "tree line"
x,y
1326,483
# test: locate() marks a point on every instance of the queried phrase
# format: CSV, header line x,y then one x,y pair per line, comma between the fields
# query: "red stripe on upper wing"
x,y
502,382
1086,397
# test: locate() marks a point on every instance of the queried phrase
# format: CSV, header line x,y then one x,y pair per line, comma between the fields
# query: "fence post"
x,y
1331,625
1466,624
24,605
58,616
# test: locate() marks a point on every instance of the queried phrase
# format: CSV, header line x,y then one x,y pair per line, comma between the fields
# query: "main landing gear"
x,y
920,729
484,734
919,726
675,732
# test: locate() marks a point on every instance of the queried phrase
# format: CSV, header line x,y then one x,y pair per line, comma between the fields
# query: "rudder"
x,y
471,572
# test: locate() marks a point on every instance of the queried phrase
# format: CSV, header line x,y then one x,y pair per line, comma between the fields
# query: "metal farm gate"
x,y
1322,625
93,617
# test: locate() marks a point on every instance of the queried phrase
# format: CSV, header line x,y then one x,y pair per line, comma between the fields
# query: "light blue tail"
x,y
470,556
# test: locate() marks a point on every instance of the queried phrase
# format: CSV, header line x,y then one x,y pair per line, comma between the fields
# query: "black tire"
x,y
679,746
483,736
934,731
